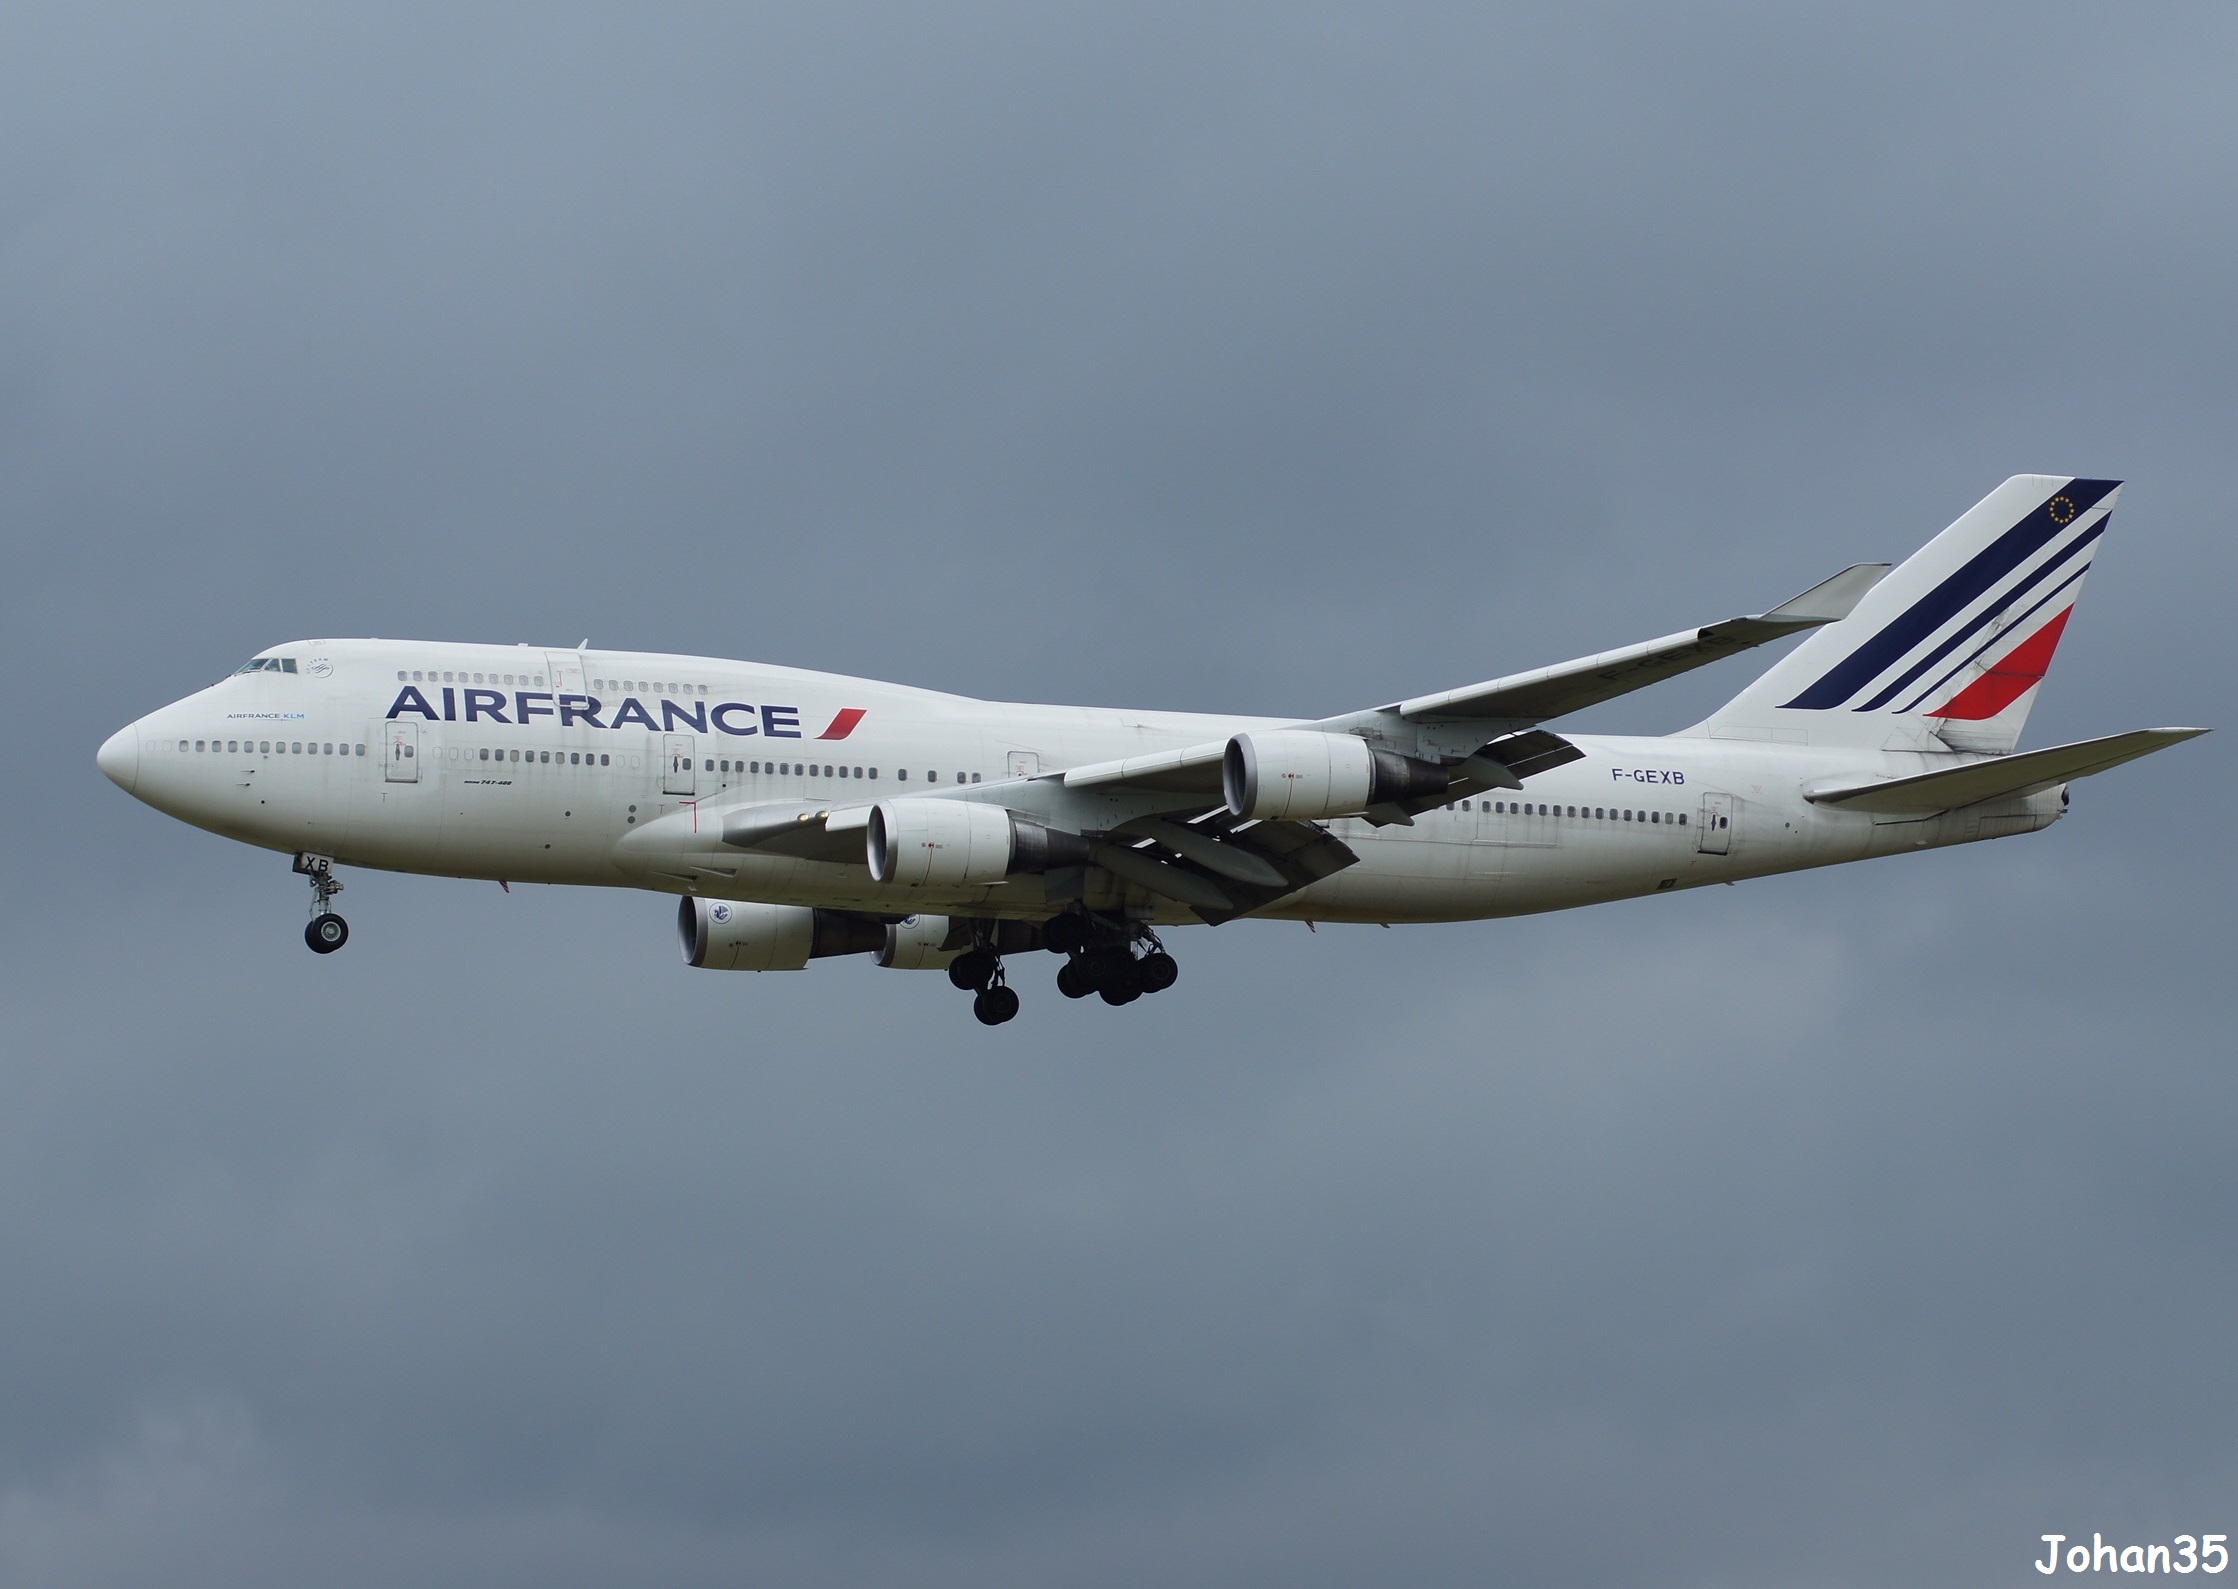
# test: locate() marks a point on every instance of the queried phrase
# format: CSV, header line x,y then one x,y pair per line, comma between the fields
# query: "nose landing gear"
x,y
326,931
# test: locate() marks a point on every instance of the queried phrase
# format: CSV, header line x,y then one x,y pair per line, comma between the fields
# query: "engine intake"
x,y
746,935
957,843
1303,773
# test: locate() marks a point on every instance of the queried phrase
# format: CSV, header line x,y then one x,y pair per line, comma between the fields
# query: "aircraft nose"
x,y
119,757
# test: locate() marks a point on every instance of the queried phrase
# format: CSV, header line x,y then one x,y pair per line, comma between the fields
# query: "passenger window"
x,y
710,767
1682,819
400,675
602,761
361,750
874,774
858,772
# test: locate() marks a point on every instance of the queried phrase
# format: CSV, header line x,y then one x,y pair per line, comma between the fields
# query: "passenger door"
x,y
682,774
567,672
1713,834
402,763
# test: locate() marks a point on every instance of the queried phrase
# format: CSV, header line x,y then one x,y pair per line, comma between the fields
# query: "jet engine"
x,y
744,935
958,843
919,943
1303,773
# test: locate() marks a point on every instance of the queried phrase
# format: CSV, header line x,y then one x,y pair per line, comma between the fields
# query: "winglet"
x,y
1831,600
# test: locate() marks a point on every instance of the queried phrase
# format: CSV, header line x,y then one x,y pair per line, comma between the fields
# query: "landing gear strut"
x,y
1100,958
326,931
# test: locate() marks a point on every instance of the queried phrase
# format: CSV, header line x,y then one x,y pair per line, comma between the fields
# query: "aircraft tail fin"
x,y
1946,653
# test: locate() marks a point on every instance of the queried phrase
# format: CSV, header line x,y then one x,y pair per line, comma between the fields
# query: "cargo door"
x,y
402,763
1520,824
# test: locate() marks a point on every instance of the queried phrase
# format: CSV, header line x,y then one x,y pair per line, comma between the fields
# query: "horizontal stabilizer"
x,y
2000,777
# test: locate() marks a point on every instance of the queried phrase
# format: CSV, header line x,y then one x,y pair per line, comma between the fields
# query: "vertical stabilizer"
x,y
1946,653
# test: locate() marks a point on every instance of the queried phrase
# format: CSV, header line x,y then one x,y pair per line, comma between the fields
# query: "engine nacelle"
x,y
745,935
919,943
957,843
1306,774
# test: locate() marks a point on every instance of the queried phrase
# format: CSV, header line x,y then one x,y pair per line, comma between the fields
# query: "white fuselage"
x,y
617,769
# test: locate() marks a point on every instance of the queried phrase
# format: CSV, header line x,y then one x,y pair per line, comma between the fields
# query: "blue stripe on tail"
x,y
1896,639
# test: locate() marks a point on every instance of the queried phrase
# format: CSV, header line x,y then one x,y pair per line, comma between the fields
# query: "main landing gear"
x,y
1119,961
1101,958
326,931
979,970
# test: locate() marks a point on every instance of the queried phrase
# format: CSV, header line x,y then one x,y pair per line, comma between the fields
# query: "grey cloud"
x,y
1842,1228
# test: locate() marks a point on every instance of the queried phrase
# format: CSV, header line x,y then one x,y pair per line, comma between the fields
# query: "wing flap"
x,y
2001,777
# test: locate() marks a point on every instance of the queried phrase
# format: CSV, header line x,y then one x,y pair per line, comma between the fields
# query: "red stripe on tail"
x,y
2022,669
843,724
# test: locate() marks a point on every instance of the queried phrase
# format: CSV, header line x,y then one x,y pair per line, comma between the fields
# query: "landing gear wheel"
x,y
1157,971
996,1005
1121,983
1066,934
326,933
974,968
1075,980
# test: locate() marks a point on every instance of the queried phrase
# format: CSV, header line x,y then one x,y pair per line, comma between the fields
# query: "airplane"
x,y
802,815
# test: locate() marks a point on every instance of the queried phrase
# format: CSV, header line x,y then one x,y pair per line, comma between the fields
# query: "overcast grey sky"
x,y
1846,1229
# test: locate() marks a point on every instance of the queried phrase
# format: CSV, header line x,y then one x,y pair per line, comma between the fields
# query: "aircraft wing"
x,y
1999,777
1487,731
1543,693
1192,770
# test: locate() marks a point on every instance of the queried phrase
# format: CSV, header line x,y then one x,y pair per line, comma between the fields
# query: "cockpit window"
x,y
267,665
